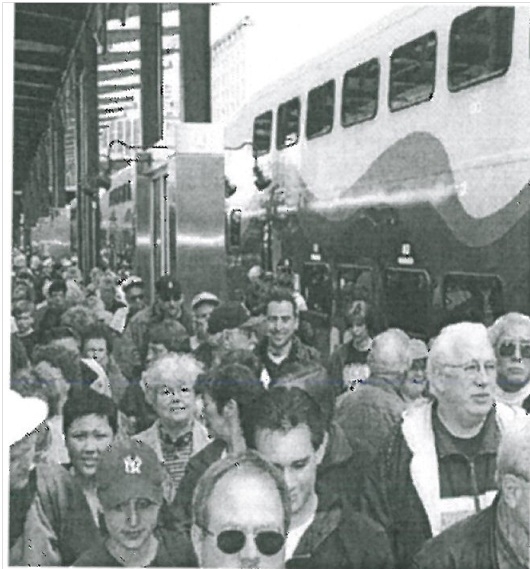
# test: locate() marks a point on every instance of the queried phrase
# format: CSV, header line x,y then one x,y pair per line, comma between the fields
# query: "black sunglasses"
x,y
233,540
508,349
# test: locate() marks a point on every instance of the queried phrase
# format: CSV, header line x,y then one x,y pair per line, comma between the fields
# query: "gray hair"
x,y
389,354
502,326
166,368
450,345
249,462
513,456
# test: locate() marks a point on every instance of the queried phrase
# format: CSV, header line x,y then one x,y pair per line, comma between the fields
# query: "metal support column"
x,y
151,73
88,155
195,62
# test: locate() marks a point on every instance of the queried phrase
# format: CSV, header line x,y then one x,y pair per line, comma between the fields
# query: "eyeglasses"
x,y
508,349
232,541
473,368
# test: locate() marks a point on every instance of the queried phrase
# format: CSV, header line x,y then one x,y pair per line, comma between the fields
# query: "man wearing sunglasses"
x,y
438,467
289,430
131,348
497,537
510,337
241,514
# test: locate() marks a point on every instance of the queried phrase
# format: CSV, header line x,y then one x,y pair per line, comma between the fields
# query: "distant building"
x,y
232,70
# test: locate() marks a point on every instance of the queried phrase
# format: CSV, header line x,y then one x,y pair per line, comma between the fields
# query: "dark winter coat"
x,y
299,353
197,465
340,540
369,414
469,544
391,496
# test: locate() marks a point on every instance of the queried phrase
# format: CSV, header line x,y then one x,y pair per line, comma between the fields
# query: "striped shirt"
x,y
176,454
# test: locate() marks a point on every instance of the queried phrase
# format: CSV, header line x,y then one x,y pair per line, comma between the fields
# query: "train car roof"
x,y
377,34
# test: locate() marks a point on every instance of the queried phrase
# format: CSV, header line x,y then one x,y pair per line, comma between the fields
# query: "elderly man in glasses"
x,y
241,514
439,467
497,537
510,336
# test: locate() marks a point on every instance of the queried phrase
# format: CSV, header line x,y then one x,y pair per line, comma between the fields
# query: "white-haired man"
x,y
499,536
439,467
510,337
176,434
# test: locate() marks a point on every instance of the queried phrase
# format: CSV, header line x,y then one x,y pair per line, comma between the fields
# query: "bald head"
x,y
514,450
389,354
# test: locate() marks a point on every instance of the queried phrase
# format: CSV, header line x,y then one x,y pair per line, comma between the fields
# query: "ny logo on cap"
x,y
132,464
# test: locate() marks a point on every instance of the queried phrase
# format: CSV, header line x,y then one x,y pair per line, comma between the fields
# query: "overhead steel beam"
x,y
37,76
116,99
128,56
40,47
108,74
22,11
30,98
33,85
124,35
35,67
102,89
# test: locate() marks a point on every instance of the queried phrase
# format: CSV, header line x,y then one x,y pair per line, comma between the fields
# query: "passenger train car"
x,y
394,168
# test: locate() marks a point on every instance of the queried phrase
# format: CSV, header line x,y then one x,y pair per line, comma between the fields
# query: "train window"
x,y
408,300
480,46
320,107
472,297
317,287
262,134
360,93
412,72
288,127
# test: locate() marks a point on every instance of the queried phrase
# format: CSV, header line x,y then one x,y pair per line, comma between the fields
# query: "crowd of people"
x,y
212,434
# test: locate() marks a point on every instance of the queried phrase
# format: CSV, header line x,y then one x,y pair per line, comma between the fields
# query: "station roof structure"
x,y
45,39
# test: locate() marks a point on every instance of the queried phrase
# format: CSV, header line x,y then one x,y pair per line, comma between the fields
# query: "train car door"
x,y
472,297
317,289
408,300
353,282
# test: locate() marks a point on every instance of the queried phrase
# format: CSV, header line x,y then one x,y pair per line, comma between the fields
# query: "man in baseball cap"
x,y
232,326
131,348
129,483
202,306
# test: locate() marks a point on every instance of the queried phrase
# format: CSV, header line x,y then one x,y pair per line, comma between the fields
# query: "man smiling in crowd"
x,y
281,346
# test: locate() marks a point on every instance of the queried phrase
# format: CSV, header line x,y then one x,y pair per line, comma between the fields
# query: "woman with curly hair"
x,y
79,318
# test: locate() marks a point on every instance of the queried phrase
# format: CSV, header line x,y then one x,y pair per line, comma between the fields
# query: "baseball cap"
x,y
129,469
205,297
231,314
133,280
168,288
